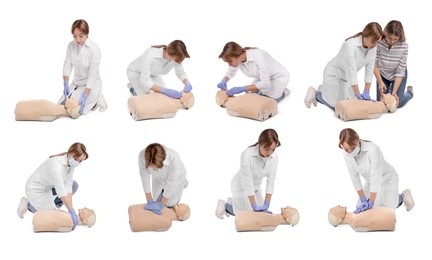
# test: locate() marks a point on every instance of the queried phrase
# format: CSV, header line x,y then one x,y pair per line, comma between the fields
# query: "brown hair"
x,y
267,138
395,28
349,136
372,29
75,150
81,25
176,48
154,154
232,49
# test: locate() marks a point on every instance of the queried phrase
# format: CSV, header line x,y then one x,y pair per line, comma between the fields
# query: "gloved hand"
x,y
365,95
267,211
82,102
236,90
359,96
363,206
170,92
187,87
75,218
156,207
254,207
66,88
222,85
370,205
264,207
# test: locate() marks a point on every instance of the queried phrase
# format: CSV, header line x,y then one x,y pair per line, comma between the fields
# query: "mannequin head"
x,y
290,215
87,216
389,102
72,107
182,211
336,215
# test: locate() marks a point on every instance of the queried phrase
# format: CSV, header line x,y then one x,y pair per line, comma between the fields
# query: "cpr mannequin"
x,y
157,105
60,221
260,221
141,219
44,110
249,105
375,219
354,109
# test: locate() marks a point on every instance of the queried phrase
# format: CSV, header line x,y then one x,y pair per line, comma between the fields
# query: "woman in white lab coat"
x,y
380,188
340,75
83,57
270,77
167,173
144,73
52,184
258,161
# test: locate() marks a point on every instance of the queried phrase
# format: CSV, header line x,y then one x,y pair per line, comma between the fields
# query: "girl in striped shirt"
x,y
391,64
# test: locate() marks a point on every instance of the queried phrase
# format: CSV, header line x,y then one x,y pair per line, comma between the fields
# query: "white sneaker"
x,y
408,200
286,92
310,97
22,207
220,209
102,103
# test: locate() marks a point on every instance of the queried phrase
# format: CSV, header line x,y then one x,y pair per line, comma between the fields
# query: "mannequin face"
x,y
182,211
287,211
84,214
267,151
339,212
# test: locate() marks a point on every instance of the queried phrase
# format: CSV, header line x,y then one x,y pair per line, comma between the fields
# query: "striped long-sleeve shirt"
x,y
392,62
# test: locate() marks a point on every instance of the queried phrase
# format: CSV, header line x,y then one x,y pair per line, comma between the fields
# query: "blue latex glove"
x,y
370,205
365,95
359,96
187,87
66,88
264,207
363,206
267,211
254,207
82,102
222,85
170,92
75,218
156,207
236,90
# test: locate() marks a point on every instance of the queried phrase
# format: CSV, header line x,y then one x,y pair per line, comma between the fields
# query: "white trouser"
x,y
134,79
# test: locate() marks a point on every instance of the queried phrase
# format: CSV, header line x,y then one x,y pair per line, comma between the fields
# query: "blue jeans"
x,y
403,96
319,98
58,202
229,209
159,199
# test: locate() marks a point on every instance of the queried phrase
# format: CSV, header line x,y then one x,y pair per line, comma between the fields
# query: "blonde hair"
x,y
267,138
154,154
81,25
176,48
232,50
76,150
395,28
372,29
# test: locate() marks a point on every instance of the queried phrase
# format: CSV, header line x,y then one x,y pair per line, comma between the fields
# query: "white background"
x,y
312,176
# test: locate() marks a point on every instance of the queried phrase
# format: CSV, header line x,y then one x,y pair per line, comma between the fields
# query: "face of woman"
x,y
369,42
348,148
78,159
391,39
267,151
79,36
234,61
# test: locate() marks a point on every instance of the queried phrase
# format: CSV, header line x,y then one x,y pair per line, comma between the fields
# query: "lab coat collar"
x,y
249,56
359,41
63,160
159,53
364,146
255,152
88,43
167,158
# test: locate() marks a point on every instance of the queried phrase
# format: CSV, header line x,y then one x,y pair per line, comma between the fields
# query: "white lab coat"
x,y
84,61
145,71
379,175
271,78
247,182
53,173
340,73
170,178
